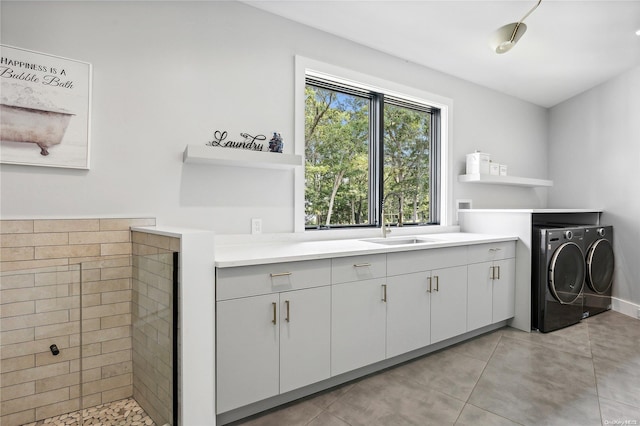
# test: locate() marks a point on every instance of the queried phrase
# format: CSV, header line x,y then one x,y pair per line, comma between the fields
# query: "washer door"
x,y
600,264
566,273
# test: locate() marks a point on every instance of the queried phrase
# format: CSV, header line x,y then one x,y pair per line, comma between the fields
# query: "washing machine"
x,y
558,276
600,263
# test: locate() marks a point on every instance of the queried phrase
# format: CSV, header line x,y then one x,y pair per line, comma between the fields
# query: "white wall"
x,y
167,74
594,156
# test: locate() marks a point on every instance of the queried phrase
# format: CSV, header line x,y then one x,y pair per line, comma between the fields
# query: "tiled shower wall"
x,y
40,305
152,324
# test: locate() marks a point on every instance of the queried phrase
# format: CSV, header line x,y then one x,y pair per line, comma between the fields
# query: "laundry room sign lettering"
x,y
248,141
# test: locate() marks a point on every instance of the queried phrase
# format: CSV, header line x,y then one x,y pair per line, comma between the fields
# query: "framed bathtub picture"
x,y
45,109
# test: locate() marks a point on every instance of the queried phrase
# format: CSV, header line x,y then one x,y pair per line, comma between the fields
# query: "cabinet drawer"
x,y
492,251
246,281
407,262
356,268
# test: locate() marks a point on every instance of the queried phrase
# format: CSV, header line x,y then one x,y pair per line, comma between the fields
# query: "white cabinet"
x,y
504,289
247,360
305,339
284,326
432,286
358,312
271,343
408,312
491,286
448,303
358,316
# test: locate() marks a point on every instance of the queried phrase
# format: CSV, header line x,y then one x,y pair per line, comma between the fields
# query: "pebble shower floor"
x,y
125,412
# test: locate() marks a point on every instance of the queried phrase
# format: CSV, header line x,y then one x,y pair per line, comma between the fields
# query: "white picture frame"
x,y
45,109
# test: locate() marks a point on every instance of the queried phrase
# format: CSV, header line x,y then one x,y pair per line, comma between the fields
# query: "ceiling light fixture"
x,y
508,35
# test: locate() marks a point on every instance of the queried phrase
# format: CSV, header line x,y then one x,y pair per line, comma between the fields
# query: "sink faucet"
x,y
386,231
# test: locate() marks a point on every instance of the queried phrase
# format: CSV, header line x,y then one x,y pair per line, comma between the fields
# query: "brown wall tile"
x,y
20,418
99,237
68,251
8,254
17,363
16,226
17,391
120,224
41,305
17,240
32,264
66,225
17,336
115,249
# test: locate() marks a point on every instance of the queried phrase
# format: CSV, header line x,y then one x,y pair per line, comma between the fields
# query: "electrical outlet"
x,y
256,226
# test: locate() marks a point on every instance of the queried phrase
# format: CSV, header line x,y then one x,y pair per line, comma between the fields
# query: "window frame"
x,y
441,179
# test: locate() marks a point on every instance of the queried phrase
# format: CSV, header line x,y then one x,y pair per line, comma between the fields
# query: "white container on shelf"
x,y
478,163
503,169
494,169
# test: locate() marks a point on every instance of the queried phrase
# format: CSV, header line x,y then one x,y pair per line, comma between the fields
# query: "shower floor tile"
x,y
125,412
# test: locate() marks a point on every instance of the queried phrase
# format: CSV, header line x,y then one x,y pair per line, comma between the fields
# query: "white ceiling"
x,y
569,47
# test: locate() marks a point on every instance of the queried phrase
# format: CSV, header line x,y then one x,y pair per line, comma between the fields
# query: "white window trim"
x,y
306,66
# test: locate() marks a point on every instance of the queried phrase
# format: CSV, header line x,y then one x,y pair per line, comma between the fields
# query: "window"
x,y
367,155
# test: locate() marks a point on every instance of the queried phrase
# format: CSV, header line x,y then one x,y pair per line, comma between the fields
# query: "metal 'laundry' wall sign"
x,y
251,142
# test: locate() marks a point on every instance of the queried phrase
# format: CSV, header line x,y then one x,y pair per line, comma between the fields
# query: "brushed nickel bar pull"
x,y
437,283
287,318
281,274
498,271
429,291
361,265
384,292
492,272
274,320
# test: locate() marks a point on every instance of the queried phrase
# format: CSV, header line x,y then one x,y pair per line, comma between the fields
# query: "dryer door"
x,y
566,273
600,264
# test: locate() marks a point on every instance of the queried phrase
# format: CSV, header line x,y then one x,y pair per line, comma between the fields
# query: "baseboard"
x,y
625,307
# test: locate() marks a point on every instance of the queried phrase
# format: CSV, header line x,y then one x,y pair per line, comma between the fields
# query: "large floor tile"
x,y
618,381
480,347
294,415
474,416
613,324
389,400
534,385
542,364
573,339
327,419
446,371
617,413
325,399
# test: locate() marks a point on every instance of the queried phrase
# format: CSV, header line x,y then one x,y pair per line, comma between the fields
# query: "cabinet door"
x,y
305,339
504,290
408,312
247,368
448,303
479,295
358,316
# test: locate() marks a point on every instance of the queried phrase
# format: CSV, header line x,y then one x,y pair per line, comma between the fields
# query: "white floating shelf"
x,y
203,154
504,180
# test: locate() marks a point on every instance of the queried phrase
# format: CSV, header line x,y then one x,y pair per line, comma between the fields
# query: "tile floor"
x,y
586,374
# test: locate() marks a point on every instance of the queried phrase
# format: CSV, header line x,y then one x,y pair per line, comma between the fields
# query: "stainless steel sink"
x,y
401,241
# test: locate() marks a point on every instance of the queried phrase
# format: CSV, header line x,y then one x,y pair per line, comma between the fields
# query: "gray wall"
x,y
167,74
594,155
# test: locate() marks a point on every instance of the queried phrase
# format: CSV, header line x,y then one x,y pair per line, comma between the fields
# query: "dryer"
x,y
558,276
600,264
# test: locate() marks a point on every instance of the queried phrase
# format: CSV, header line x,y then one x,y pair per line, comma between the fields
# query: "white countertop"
x,y
530,211
274,252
